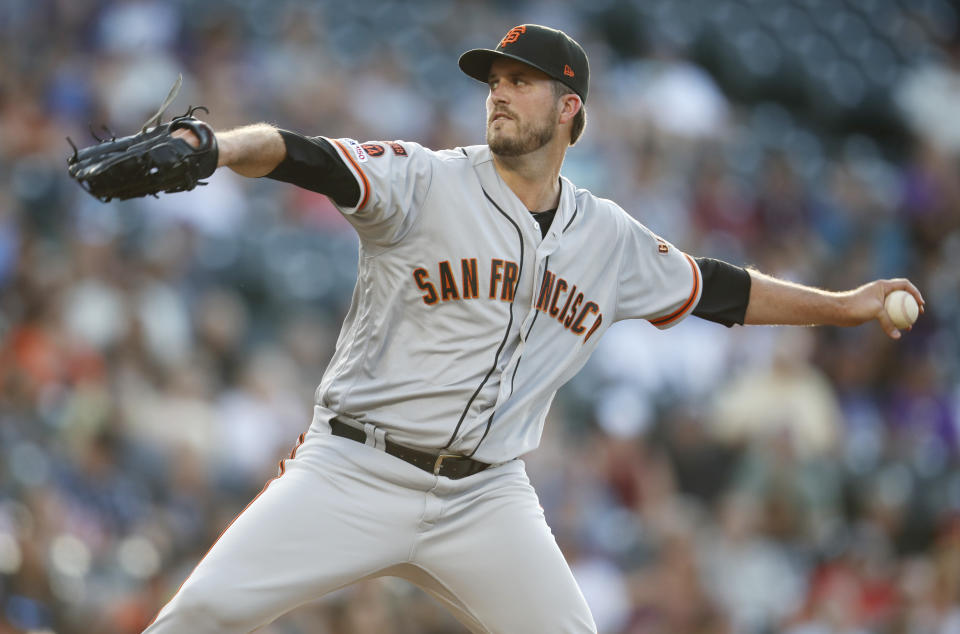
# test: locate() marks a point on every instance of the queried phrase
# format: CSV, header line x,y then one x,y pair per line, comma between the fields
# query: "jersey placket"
x,y
536,255
541,250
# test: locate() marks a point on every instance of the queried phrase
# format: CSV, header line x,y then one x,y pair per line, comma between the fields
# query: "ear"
x,y
570,105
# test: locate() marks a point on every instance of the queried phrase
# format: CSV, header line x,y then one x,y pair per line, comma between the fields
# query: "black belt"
x,y
451,466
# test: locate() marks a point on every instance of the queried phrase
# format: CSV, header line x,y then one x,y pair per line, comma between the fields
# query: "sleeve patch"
x,y
358,150
373,149
364,183
398,149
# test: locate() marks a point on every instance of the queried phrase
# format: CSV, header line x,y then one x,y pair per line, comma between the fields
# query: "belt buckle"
x,y
439,462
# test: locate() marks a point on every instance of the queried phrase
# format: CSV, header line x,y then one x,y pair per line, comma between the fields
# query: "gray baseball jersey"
x,y
465,320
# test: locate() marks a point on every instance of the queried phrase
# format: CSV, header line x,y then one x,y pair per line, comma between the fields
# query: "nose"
x,y
498,94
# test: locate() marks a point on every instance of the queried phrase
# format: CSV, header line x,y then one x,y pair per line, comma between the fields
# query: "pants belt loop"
x,y
379,439
371,433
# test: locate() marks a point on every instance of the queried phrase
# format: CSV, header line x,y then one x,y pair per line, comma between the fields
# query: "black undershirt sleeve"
x,y
312,163
726,292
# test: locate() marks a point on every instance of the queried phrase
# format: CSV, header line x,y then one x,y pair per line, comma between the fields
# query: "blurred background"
x,y
158,357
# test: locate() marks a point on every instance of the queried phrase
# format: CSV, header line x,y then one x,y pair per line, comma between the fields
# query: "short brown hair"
x,y
580,119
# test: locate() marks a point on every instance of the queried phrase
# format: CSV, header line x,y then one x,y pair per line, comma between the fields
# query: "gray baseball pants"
x,y
342,511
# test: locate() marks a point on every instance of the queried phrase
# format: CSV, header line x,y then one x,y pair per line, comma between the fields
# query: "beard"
x,y
529,136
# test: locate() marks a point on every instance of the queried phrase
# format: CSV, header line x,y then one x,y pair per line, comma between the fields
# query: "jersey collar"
x,y
481,158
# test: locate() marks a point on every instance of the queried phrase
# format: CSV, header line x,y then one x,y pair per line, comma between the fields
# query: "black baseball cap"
x,y
552,51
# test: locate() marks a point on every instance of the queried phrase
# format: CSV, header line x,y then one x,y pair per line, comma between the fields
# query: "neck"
x,y
533,177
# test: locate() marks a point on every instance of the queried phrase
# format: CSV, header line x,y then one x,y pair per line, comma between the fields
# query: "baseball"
x,y
902,308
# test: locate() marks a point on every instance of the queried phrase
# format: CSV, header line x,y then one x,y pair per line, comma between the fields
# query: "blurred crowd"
x,y
158,357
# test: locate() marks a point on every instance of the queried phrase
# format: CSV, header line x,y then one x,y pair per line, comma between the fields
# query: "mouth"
x,y
500,116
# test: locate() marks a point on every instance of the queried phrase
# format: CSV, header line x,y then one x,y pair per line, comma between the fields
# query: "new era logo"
x,y
567,70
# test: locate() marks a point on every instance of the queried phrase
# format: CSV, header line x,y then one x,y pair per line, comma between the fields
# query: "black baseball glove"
x,y
149,162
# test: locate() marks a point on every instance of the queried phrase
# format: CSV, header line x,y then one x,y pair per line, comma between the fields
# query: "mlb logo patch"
x,y
358,150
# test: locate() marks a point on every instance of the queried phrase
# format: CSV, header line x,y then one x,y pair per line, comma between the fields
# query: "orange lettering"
x,y
595,325
510,272
563,313
469,269
448,287
577,326
554,309
420,276
495,276
573,310
545,289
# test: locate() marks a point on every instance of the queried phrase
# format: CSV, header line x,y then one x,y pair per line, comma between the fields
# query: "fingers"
x,y
903,284
187,135
887,325
898,284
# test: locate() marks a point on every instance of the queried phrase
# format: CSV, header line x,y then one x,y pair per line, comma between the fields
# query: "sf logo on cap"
x,y
513,35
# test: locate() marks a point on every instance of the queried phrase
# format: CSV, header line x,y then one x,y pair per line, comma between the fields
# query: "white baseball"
x,y
902,308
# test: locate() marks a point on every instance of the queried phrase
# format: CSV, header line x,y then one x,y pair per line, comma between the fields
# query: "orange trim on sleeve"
x,y
363,177
687,305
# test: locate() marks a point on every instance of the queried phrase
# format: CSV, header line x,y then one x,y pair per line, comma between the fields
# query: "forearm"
x,y
774,301
778,302
313,163
253,150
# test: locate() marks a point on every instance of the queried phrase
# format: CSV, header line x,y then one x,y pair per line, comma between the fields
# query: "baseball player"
x,y
485,281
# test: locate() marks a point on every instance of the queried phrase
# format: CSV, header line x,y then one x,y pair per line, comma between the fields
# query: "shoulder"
x,y
366,151
608,222
402,148
453,155
601,209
